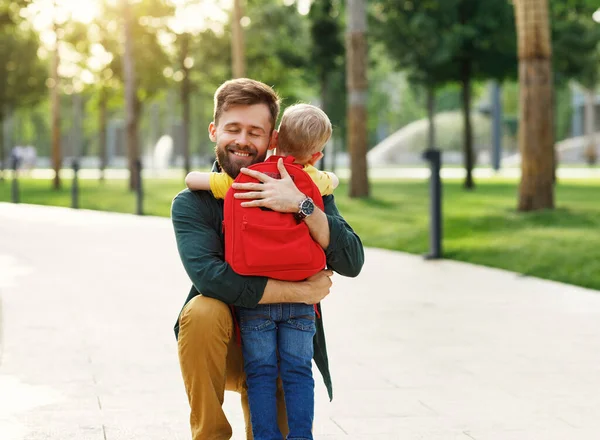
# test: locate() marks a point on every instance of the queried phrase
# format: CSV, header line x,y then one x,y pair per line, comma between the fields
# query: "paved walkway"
x,y
419,350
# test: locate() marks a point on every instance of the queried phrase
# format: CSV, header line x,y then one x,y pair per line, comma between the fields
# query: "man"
x,y
244,118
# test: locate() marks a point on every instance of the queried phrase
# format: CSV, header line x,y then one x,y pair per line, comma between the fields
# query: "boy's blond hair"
x,y
304,131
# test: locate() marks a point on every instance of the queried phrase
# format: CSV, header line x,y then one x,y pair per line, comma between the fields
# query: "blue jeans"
x,y
286,330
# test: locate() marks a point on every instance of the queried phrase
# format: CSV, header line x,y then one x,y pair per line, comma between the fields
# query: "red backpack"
x,y
262,242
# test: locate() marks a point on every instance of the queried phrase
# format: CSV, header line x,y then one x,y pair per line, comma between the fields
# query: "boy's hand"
x,y
280,195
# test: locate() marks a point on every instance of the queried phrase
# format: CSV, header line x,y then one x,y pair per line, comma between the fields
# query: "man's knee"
x,y
204,316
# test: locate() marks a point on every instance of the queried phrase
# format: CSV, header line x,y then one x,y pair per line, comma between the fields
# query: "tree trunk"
x,y
536,119
77,126
131,106
469,156
431,117
102,103
238,56
356,68
324,87
55,118
591,155
185,103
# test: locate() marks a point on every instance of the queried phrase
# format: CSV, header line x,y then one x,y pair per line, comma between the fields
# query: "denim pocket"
x,y
302,317
256,319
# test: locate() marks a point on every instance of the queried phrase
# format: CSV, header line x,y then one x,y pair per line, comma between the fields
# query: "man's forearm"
x,y
310,291
277,291
319,227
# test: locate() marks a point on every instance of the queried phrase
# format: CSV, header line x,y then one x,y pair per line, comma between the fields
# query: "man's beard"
x,y
232,168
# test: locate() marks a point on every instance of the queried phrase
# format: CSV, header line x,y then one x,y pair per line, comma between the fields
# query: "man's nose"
x,y
242,139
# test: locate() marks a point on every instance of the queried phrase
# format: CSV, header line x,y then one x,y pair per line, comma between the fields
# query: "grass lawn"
x,y
481,227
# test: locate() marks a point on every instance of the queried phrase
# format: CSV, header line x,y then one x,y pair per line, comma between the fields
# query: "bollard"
x,y
14,190
75,186
140,191
496,115
434,157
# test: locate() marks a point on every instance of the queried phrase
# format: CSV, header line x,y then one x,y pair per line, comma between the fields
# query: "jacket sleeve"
x,y
345,254
200,247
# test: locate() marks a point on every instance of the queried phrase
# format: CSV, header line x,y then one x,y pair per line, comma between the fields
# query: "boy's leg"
x,y
236,381
205,331
259,347
281,413
295,342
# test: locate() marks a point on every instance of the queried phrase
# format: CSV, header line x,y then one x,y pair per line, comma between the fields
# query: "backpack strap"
x,y
286,159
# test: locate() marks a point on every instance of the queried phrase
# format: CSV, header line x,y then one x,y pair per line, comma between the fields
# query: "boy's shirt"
x,y
221,182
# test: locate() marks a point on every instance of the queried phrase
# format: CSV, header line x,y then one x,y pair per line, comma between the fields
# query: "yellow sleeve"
x,y
220,184
321,179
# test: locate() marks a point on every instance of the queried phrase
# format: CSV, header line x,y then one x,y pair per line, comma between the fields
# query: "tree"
x,y
327,57
327,52
238,54
144,60
270,53
356,77
22,74
575,46
185,90
536,130
441,41
187,34
131,100
589,78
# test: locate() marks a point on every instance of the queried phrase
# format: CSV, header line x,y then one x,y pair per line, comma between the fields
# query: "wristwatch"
x,y
305,208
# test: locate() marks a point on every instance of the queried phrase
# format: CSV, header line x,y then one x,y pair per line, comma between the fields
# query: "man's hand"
x,y
318,287
310,291
280,195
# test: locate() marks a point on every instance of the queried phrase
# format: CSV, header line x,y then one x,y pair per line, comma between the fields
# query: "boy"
x,y
283,331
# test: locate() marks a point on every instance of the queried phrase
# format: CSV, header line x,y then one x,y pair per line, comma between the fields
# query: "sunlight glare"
x,y
198,17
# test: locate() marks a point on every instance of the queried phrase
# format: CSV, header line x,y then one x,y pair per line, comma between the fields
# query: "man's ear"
x,y
274,140
315,158
212,132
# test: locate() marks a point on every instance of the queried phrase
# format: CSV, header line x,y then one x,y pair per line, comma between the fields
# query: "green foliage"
x,y
281,56
327,60
432,39
575,41
9,11
277,52
328,51
22,74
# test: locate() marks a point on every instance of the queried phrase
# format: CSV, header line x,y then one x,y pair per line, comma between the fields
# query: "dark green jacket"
x,y
198,217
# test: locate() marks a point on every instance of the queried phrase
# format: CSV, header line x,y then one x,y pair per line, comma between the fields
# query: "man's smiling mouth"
x,y
239,153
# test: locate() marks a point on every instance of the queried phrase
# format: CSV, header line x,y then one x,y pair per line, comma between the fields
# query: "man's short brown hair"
x,y
244,91
304,131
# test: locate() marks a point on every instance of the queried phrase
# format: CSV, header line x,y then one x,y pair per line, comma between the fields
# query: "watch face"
x,y
307,207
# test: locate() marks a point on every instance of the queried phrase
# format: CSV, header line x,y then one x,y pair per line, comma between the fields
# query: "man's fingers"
x,y
257,175
248,186
326,272
282,170
249,195
253,204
